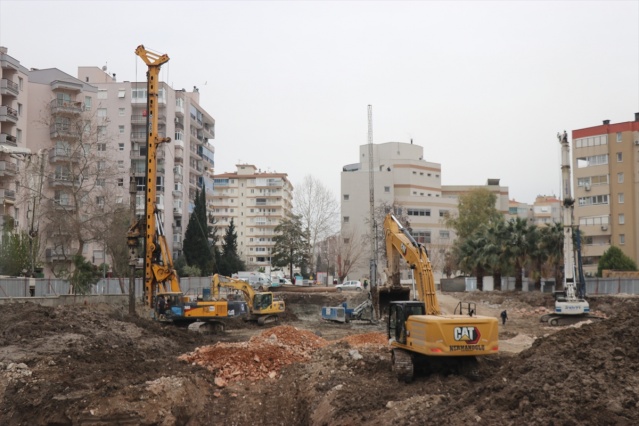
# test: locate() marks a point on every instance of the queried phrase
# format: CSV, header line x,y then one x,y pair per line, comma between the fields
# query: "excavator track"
x,y
267,319
563,320
403,365
207,327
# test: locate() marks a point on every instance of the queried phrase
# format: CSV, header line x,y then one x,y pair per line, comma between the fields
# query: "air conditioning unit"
x,y
604,227
587,188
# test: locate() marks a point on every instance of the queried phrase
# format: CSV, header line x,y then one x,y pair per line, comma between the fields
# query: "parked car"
x,y
352,285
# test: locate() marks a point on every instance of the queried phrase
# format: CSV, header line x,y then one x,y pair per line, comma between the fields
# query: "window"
x,y
101,165
387,189
444,235
99,200
620,198
18,135
622,219
20,82
101,147
593,200
619,177
100,182
102,131
102,113
121,129
19,110
443,213
345,197
347,240
121,146
102,94
618,136
418,212
595,160
619,157
121,112
120,182
622,239
121,93
346,219
422,237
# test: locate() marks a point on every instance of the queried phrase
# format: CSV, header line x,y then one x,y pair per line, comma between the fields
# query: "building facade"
x,y
256,202
605,168
13,134
405,181
87,137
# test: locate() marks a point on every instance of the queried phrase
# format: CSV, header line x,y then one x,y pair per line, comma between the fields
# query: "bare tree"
x,y
79,185
319,211
350,252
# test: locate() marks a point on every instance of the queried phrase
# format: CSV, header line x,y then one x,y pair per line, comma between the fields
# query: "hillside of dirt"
x,y
94,364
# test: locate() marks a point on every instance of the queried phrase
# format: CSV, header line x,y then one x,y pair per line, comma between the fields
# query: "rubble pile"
x,y
262,356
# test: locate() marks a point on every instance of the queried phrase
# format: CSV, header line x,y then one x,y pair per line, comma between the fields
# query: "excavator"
x,y
263,307
570,304
420,335
162,290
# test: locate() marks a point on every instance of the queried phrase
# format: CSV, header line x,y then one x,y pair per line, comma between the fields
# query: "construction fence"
x,y
51,287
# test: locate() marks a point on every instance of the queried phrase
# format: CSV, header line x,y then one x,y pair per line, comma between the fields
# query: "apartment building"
x,y
402,178
605,174
184,165
256,201
50,113
13,134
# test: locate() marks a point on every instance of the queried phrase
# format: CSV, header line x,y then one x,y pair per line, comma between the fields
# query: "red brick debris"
x,y
265,354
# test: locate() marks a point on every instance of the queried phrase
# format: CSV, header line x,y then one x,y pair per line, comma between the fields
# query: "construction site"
x,y
98,365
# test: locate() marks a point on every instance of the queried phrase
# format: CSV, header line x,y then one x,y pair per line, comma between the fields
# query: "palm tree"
x,y
495,253
552,241
520,245
470,253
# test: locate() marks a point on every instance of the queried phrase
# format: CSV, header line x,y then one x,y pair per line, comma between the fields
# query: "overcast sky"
x,y
483,86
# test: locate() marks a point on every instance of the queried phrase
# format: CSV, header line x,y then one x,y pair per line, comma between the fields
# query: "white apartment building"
x,y
404,179
256,201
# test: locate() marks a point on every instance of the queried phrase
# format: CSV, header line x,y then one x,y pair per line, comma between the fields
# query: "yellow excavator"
x,y
421,336
162,290
263,307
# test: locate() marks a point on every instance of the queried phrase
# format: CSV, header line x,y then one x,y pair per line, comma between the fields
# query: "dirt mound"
x,y
97,365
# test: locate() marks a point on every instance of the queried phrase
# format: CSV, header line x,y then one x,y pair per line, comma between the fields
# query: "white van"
x,y
255,279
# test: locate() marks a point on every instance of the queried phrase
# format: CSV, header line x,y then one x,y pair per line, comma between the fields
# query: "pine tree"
x,y
291,245
230,261
196,239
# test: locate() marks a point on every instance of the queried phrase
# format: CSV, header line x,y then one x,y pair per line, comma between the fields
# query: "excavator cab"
x,y
398,313
262,301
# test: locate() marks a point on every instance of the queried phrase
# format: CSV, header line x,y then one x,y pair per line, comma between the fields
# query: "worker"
x,y
504,317
161,305
365,284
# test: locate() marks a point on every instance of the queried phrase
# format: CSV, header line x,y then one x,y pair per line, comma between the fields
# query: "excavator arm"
x,y
400,244
220,281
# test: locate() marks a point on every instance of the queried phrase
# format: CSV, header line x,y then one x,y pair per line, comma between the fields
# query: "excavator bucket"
x,y
385,295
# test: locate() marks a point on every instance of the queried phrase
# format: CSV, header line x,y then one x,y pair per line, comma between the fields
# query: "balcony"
x,y
209,131
7,196
8,114
8,88
6,139
177,230
60,254
8,169
60,106
138,154
63,155
63,131
138,119
64,181
177,211
62,204
177,245
138,137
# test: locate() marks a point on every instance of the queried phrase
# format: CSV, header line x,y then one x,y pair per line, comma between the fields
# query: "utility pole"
x,y
373,229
